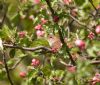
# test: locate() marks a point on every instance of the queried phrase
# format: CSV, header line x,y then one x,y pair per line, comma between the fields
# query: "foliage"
x,y
49,42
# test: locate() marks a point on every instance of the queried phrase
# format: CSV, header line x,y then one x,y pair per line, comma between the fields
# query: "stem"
x,y
4,17
17,63
80,23
51,9
26,48
67,49
93,5
6,67
95,62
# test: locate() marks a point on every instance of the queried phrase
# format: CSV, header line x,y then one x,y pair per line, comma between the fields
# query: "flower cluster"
x,y
96,79
39,29
91,35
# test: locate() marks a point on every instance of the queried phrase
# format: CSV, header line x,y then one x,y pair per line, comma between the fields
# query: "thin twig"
x,y
80,23
62,62
26,48
93,5
69,65
95,62
51,9
4,17
17,63
6,67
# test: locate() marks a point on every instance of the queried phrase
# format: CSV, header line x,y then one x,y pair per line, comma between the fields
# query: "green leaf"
x,y
79,2
15,19
20,54
6,33
12,53
91,52
43,0
11,62
40,42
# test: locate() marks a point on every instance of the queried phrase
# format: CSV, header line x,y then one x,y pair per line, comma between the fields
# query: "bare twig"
x,y
69,65
51,9
4,17
6,67
26,48
95,62
80,23
17,63
93,5
62,62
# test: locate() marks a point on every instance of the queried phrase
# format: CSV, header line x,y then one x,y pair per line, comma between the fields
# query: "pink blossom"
x,y
43,21
22,74
37,1
67,1
80,44
71,69
39,33
31,17
96,79
97,30
22,34
38,27
35,62
91,35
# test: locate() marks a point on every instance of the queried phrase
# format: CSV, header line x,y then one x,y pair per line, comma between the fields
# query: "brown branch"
x,y
93,6
80,23
95,62
26,48
17,63
6,67
62,62
60,34
4,17
51,9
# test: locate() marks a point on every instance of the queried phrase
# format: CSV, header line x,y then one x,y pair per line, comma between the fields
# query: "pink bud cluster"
x,y
71,69
31,17
54,50
39,29
91,35
96,79
80,44
22,74
97,29
22,34
67,1
35,62
43,21
37,1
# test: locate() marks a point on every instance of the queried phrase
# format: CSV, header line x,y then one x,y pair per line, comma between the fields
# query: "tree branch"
x,y
51,9
95,62
4,17
6,67
26,48
80,23
93,6
17,63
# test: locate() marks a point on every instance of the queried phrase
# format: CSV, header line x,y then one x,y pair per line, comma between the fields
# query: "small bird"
x,y
54,42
